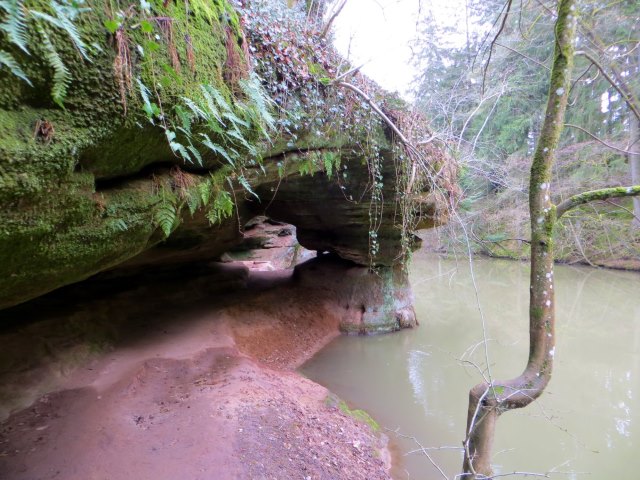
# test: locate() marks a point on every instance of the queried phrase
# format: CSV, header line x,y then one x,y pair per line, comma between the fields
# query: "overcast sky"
x,y
382,32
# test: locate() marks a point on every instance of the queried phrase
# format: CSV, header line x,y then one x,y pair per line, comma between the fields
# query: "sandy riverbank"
x,y
193,386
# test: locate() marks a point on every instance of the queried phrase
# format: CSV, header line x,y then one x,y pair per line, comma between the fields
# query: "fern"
x,y
8,61
260,105
204,189
64,21
14,24
245,184
166,216
150,108
307,166
194,201
196,154
330,161
61,76
176,147
235,120
222,207
212,110
119,225
217,149
220,100
185,119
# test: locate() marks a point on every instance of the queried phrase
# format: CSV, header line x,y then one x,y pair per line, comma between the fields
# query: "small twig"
x,y
349,72
425,452
599,140
524,55
427,140
629,100
621,207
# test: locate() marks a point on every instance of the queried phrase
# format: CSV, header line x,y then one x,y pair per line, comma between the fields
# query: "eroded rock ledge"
x,y
106,184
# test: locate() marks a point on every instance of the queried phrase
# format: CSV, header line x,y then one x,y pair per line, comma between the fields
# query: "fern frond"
x,y
61,76
331,161
166,216
261,103
245,184
193,106
212,110
14,24
328,163
8,61
185,119
222,207
220,100
144,91
204,189
216,149
193,201
150,108
119,225
243,141
64,21
196,154
235,120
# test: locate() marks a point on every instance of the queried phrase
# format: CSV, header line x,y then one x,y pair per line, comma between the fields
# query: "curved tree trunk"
x,y
488,401
634,158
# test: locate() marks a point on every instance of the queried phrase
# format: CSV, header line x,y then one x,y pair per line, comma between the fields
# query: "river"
x,y
416,382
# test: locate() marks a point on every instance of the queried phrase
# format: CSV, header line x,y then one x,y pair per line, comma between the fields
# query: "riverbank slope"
x,y
189,382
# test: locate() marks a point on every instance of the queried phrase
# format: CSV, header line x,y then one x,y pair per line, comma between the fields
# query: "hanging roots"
x,y
122,66
191,58
181,182
166,27
235,69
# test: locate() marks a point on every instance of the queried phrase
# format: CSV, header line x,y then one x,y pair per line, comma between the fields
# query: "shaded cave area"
x,y
158,361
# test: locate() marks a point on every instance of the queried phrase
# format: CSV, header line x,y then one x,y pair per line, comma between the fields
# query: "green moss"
x,y
54,228
72,235
360,415
537,314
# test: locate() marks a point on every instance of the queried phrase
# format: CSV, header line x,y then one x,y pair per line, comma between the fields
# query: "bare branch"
x,y
594,195
628,98
495,39
523,55
378,110
333,16
599,140
349,72
623,208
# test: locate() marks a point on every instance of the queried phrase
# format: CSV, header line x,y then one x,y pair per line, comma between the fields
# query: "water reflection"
x,y
417,381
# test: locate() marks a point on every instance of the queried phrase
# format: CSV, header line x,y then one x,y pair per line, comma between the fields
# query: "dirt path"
x,y
207,393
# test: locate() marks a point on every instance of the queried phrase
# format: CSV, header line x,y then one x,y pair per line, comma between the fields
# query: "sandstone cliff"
x,y
150,134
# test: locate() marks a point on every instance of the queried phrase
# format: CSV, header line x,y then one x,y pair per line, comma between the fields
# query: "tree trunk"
x,y
634,146
488,401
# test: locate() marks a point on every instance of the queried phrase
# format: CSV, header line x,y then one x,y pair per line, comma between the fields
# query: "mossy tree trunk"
x,y
488,400
634,142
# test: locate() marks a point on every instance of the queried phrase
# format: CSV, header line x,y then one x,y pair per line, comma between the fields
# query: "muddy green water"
x,y
586,425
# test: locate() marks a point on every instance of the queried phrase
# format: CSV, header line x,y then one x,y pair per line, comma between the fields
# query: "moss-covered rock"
x,y
103,182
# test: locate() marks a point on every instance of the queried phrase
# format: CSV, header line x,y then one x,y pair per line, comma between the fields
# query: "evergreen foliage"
x,y
490,115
